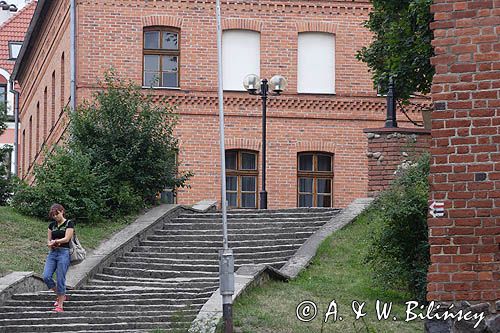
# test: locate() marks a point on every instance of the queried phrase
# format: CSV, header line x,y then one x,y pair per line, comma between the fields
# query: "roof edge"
x,y
35,21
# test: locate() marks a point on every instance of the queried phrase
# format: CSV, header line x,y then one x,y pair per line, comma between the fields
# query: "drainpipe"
x,y
16,124
73,54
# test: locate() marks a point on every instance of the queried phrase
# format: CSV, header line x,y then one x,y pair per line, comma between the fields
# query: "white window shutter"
x,y
316,63
240,57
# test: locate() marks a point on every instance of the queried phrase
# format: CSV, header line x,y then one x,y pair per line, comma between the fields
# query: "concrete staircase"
x,y
161,284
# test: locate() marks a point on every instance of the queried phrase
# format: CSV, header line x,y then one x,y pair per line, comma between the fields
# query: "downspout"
x,y
72,56
16,125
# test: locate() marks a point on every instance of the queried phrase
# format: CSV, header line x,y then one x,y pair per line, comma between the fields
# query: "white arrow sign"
x,y
437,209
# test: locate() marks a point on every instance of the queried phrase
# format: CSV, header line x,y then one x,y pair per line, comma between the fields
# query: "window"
x,y
241,178
240,57
161,58
3,97
315,179
14,48
316,63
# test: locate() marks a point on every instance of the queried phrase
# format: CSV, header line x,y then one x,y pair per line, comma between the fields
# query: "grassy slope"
x,y
23,240
337,273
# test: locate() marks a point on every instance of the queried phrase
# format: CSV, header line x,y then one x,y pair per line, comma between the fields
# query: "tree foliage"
x,y
120,152
5,179
401,47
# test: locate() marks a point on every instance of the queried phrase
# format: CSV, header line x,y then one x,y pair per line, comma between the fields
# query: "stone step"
x,y
194,282
253,231
298,213
49,314
73,297
284,234
159,274
78,327
234,227
218,243
186,267
255,222
106,318
167,261
215,255
78,304
174,250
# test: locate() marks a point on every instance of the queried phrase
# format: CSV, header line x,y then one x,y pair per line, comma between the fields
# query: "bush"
x,y
67,177
6,187
120,153
399,255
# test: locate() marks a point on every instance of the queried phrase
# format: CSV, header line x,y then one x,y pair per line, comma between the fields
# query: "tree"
x,y
5,179
120,152
401,47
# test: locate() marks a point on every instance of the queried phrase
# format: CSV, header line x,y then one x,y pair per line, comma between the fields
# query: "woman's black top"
x,y
58,232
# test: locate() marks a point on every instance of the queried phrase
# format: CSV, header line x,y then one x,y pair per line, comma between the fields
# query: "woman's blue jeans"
x,y
58,261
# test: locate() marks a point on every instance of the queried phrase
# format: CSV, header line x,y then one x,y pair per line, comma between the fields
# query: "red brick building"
x,y
316,152
12,32
465,170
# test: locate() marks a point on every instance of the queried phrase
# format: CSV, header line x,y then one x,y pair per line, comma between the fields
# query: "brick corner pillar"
x,y
390,149
465,148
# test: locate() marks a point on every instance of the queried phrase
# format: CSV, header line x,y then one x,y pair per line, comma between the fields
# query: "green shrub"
x,y
67,177
6,187
120,153
399,255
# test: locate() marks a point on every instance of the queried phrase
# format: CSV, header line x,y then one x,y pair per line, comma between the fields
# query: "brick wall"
x,y
465,170
112,37
391,150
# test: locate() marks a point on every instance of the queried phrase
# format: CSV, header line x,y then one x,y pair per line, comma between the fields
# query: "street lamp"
x,y
262,87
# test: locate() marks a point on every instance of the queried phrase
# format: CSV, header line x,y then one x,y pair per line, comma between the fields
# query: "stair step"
x,y
174,250
232,243
49,314
118,326
242,224
109,297
187,267
232,237
159,274
235,232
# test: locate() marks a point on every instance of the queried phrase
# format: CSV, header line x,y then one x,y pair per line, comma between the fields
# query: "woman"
x,y
58,236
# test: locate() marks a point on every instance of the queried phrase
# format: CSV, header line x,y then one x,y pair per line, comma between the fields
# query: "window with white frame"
x,y
316,63
240,57
14,48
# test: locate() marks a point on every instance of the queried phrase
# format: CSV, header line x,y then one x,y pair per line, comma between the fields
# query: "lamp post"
x,y
255,86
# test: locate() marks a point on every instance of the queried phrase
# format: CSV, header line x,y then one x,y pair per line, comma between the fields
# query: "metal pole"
x,y
16,127
263,193
390,121
226,261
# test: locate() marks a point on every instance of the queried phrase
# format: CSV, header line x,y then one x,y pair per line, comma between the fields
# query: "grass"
x,y
338,272
23,240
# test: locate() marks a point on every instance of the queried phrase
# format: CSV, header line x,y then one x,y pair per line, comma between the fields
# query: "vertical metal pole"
x,y
390,121
226,261
16,127
263,193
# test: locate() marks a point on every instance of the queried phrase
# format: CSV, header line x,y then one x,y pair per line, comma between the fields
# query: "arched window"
x,y
53,105
240,57
241,178
314,179
316,63
161,57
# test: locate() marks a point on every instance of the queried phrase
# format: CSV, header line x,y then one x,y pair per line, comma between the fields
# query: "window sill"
x,y
317,94
161,88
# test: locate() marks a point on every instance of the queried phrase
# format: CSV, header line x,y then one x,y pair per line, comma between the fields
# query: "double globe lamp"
x,y
262,87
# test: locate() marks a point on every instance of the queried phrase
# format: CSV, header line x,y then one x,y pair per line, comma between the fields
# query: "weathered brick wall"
x,y
112,37
465,170
391,150
42,97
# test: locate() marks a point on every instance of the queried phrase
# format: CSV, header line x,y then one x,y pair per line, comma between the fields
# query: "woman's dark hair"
x,y
54,209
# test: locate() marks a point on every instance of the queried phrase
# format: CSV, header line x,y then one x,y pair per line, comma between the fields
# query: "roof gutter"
x,y
32,29
16,125
73,54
